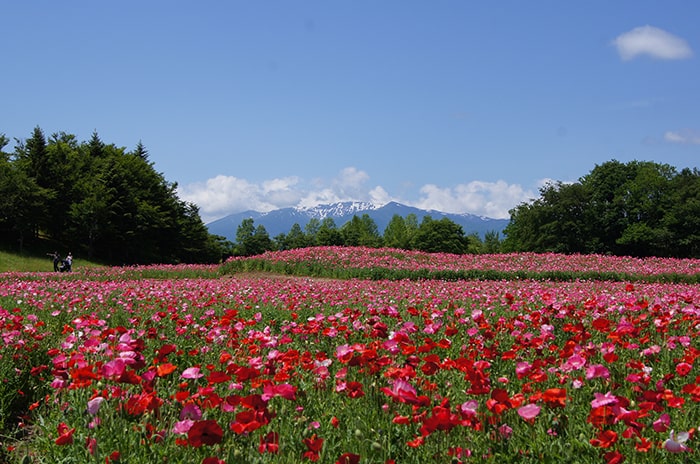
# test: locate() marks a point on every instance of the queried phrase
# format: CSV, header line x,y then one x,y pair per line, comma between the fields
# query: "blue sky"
x,y
459,106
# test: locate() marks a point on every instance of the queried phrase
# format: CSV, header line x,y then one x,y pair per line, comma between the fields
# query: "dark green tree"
x,y
252,240
311,230
361,231
22,202
492,242
296,237
633,208
441,236
328,234
682,219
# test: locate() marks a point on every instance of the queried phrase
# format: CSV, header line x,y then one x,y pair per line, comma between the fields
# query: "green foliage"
x,y
442,236
251,240
636,209
100,201
361,231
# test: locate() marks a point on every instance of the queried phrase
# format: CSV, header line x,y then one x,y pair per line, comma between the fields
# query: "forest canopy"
x,y
639,208
98,200
109,204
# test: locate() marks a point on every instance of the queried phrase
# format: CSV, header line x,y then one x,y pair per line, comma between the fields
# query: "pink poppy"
x,y
676,442
661,424
529,412
597,371
603,400
192,373
93,406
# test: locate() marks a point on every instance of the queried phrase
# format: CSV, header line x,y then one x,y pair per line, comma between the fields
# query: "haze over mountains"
x,y
280,221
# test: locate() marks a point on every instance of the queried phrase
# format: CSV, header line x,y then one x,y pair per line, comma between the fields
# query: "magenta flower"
x,y
529,412
182,427
190,411
191,373
94,405
505,431
603,400
661,424
597,371
114,369
284,390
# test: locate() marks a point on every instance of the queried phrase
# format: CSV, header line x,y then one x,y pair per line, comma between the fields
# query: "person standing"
x,y
56,260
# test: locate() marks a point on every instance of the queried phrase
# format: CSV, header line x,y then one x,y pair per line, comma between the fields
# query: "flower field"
x,y
116,366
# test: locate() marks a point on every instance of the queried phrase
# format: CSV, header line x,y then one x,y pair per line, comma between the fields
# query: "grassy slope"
x,y
30,261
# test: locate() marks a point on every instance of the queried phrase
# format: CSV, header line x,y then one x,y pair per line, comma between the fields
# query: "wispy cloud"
x,y
223,195
685,136
653,42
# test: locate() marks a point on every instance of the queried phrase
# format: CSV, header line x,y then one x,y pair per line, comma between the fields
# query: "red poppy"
x,y
65,435
218,377
600,416
165,369
314,445
205,432
604,439
348,458
269,443
354,390
555,397
614,457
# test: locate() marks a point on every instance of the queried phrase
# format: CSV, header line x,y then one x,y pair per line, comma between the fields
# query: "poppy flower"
x,y
192,373
165,369
94,405
676,442
614,457
661,424
65,435
604,439
284,390
555,397
683,369
205,432
529,412
190,411
269,443
597,371
354,390
348,458
213,460
314,445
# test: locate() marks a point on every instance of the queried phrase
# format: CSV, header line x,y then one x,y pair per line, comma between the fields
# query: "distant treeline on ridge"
x,y
110,204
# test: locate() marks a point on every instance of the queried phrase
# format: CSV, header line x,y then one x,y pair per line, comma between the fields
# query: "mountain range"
x,y
280,221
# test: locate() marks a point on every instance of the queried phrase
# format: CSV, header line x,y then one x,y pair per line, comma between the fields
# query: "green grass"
x,y
35,261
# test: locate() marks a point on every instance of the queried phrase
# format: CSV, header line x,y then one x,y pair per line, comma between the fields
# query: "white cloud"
x,y
223,195
492,199
651,41
684,136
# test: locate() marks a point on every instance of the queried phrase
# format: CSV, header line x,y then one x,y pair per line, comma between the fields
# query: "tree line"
x,y
110,204
639,208
100,201
430,235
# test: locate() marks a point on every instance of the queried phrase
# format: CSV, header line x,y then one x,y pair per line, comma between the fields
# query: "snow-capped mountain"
x,y
340,209
280,221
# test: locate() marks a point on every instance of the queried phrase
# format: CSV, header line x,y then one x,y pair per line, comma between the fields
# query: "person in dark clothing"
x,y
56,260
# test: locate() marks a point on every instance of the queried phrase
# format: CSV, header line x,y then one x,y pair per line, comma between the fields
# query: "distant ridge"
x,y
280,221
